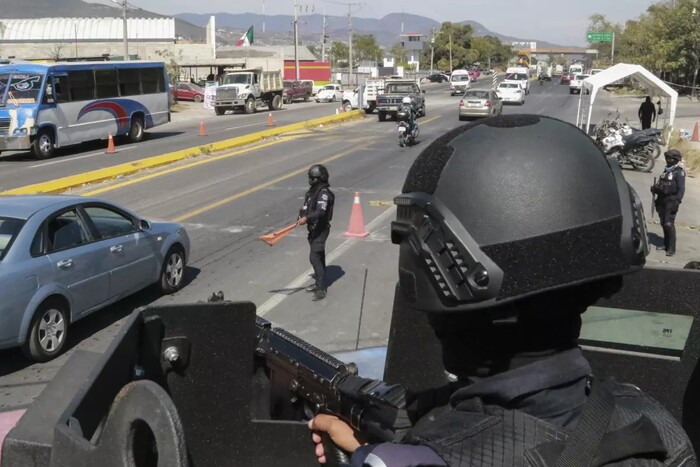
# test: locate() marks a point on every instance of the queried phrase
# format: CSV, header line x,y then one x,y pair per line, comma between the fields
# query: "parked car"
x,y
330,93
565,79
189,92
438,78
480,103
294,90
65,257
511,92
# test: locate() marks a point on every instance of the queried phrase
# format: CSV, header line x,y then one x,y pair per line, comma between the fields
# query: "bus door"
x,y
52,111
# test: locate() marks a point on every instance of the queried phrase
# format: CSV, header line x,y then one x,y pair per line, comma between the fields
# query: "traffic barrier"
x,y
269,120
696,136
110,145
202,129
357,223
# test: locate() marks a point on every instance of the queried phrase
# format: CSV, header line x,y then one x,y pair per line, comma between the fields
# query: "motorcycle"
x,y
406,135
631,149
608,127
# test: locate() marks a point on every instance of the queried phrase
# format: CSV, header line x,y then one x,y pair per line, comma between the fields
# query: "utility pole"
x,y
263,12
432,49
323,38
76,41
350,43
125,5
612,53
451,70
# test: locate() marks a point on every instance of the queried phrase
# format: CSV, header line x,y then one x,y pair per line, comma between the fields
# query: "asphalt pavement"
x,y
226,201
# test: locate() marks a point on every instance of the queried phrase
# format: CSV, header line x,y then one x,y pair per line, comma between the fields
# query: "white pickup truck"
x,y
576,83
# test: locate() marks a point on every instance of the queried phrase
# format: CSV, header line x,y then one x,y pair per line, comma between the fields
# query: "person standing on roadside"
x,y
669,191
317,213
647,113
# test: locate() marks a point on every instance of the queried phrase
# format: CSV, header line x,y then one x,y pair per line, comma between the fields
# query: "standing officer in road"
x,y
647,113
669,191
504,274
317,213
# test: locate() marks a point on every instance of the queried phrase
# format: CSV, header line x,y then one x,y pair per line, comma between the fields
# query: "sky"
x,y
560,21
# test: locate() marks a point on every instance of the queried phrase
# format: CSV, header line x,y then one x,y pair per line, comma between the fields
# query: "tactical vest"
x,y
640,433
667,183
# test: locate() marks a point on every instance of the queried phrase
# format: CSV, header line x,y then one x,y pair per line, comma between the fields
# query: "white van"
x,y
459,82
576,69
520,75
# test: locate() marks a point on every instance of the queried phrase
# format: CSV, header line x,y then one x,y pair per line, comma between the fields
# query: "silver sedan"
x,y
479,103
64,257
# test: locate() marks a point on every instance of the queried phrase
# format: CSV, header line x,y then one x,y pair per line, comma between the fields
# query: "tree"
x,y
599,23
456,37
172,65
398,53
56,51
365,48
339,54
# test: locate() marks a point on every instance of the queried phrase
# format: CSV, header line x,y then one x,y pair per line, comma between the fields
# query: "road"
x,y
228,200
20,168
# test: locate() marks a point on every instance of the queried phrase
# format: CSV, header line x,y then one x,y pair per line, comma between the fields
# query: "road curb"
x,y
65,183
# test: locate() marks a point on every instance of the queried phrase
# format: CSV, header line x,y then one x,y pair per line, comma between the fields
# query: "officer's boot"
x,y
671,247
319,294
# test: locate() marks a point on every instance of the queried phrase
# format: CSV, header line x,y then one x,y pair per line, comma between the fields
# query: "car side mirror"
x,y
144,224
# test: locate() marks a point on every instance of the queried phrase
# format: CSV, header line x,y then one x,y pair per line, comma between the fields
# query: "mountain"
x,y
20,9
385,29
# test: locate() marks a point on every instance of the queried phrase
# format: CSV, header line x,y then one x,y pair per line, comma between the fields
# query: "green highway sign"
x,y
599,37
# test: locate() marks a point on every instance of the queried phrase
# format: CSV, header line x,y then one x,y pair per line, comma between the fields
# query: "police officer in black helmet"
x,y
504,264
669,191
317,213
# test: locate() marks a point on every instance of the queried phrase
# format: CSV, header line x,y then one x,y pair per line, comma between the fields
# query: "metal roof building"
x,y
87,30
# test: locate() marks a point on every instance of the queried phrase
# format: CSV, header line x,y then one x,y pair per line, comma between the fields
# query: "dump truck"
x,y
249,89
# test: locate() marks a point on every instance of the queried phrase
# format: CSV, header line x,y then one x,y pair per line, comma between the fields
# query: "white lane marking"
x,y
219,228
60,161
297,283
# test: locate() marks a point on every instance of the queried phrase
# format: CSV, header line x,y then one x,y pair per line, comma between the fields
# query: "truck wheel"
x,y
307,97
250,106
369,110
381,116
220,110
43,145
276,103
347,107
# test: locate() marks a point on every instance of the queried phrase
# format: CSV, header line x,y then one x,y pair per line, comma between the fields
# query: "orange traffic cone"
x,y
269,120
357,223
202,129
110,145
340,108
696,136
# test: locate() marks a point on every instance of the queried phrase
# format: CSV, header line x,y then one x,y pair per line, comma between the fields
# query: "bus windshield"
x,y
22,88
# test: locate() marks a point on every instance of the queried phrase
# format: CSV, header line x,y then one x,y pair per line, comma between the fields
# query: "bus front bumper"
x,y
15,143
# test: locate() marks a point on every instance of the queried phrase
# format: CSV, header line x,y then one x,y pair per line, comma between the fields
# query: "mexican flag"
x,y
246,39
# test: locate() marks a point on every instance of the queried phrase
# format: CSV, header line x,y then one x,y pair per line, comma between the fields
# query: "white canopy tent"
x,y
593,84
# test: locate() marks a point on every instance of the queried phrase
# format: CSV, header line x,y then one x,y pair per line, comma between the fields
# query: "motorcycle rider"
x,y
409,111
669,191
504,288
316,213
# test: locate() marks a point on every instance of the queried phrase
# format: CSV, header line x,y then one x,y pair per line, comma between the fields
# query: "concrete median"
x,y
60,185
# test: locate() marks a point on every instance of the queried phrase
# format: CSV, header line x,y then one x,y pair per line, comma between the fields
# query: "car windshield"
x,y
22,88
330,87
581,77
460,77
287,84
516,76
238,78
9,228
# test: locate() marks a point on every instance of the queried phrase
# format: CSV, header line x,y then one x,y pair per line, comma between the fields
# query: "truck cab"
x,y
248,89
394,92
519,75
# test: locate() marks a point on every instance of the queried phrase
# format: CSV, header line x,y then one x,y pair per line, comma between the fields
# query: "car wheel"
x,y
43,145
173,271
197,98
333,98
306,98
381,116
48,331
136,130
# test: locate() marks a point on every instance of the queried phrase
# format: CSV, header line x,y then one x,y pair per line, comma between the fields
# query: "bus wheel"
x,y
42,147
136,130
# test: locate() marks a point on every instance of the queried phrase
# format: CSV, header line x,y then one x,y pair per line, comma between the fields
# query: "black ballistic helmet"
x,y
673,154
511,207
318,172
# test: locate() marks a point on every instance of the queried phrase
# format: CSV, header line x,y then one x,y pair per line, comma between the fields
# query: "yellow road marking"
x,y
262,186
143,178
430,120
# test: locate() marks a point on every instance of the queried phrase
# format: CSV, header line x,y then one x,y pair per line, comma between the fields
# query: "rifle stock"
x,y
653,199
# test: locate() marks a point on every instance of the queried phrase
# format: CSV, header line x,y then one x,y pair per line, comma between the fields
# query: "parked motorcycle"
x,y
631,149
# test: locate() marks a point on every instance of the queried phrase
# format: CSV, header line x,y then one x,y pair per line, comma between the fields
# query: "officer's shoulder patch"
x,y
324,197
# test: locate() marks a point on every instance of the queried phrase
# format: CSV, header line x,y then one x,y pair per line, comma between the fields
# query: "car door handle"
x,y
116,249
65,263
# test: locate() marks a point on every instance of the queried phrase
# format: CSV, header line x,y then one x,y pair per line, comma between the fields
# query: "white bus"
x,y
48,106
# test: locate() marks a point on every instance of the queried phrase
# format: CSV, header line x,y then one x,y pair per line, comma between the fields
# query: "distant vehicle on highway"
x,y
576,83
519,75
511,92
48,106
565,79
479,103
65,257
438,78
595,71
330,93
189,92
460,81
